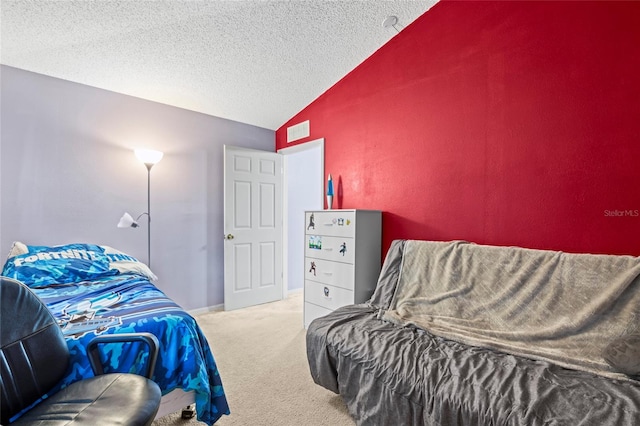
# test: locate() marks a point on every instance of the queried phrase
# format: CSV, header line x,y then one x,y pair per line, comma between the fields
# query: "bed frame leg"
x,y
189,411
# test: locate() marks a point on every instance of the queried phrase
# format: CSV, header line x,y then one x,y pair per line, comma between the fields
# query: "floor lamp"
x,y
149,157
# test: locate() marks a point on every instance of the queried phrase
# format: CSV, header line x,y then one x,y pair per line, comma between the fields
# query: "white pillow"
x,y
17,249
125,263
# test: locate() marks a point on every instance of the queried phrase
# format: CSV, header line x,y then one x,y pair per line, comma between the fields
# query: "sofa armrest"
x,y
147,338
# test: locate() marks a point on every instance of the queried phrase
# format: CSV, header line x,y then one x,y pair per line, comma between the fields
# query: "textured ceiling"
x,y
258,62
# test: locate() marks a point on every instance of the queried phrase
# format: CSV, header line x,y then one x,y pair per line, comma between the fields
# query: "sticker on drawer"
x,y
315,242
312,222
343,248
338,221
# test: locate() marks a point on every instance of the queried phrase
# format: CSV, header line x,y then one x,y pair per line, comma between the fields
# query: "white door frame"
x,y
285,201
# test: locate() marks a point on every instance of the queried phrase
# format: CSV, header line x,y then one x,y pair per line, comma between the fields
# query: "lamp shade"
x,y
127,221
149,156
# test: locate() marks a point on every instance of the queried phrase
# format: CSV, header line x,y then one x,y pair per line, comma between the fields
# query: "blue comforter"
x,y
116,302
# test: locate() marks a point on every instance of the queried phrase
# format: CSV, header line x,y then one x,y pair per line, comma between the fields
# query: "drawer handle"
x,y
328,273
328,249
328,224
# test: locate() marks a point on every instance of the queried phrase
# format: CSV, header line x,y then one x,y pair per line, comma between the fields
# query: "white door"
x,y
252,227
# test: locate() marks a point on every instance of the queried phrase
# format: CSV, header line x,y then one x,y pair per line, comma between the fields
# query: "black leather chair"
x,y
34,357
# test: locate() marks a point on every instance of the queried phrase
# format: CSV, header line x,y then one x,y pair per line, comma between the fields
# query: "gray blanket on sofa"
x,y
554,306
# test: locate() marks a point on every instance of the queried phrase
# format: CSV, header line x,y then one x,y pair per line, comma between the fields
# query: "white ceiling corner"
x,y
255,61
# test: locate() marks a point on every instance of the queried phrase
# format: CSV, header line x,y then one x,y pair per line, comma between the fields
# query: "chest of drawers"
x,y
342,259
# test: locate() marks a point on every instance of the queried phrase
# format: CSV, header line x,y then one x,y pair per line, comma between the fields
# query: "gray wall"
x,y
68,172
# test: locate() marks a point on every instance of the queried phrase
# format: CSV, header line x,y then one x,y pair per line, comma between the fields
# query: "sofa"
x,y
458,333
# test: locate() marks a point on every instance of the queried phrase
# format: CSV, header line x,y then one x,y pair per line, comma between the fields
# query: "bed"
x,y
93,290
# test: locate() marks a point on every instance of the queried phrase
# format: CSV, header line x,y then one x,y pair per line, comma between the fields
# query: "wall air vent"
x,y
298,131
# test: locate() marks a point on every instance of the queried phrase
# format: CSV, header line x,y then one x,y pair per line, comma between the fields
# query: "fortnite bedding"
x,y
94,290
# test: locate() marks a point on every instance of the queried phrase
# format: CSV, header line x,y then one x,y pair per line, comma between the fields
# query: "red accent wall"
x,y
507,123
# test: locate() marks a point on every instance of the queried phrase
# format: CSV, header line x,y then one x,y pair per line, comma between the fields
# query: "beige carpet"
x,y
261,356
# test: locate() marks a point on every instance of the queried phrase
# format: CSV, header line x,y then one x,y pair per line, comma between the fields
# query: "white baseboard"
x,y
220,307
206,310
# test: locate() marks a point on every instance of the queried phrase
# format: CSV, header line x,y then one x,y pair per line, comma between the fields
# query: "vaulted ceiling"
x,y
257,61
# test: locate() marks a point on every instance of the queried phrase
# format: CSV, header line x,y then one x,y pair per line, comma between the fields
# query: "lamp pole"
x,y
149,165
149,157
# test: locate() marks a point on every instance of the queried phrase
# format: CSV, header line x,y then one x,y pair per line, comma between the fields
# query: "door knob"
x,y
228,237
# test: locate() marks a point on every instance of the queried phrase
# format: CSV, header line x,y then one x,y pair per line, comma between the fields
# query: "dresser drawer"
x,y
327,296
335,223
339,249
312,312
328,272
